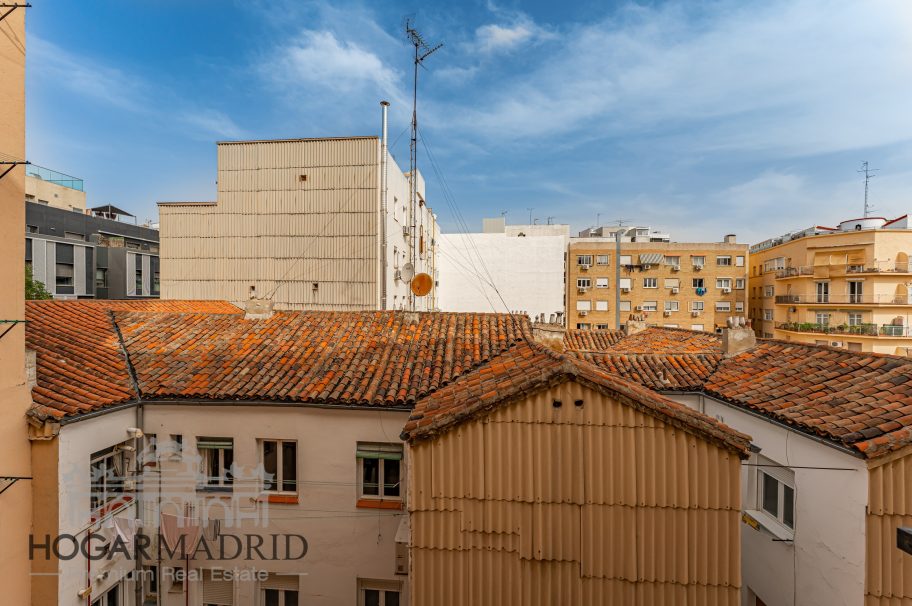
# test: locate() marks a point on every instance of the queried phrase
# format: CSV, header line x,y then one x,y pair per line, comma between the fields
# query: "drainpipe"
x,y
384,165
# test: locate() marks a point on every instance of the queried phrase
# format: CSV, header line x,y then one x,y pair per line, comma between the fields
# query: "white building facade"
x,y
523,264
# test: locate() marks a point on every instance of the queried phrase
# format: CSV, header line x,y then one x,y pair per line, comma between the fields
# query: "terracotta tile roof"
x,y
661,372
653,340
529,367
591,340
344,358
80,364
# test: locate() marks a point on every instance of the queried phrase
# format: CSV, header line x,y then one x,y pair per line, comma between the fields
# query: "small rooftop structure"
x,y
109,211
849,225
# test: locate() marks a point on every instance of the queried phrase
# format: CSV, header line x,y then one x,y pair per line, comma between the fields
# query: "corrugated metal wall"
x,y
272,229
591,504
888,571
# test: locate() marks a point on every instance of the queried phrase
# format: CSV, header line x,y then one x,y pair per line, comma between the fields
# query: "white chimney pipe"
x,y
384,163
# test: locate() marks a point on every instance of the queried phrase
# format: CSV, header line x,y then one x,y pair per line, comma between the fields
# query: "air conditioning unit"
x,y
836,343
647,266
582,289
625,289
694,314
675,290
639,308
725,291
667,313
698,266
584,266
675,268
583,312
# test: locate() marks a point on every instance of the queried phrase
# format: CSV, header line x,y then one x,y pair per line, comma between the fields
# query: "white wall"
x,y
826,564
528,272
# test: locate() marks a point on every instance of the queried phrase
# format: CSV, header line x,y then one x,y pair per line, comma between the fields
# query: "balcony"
x,y
52,176
861,299
844,269
865,330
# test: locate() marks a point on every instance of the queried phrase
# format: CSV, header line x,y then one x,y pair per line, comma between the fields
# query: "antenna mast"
x,y
868,176
422,52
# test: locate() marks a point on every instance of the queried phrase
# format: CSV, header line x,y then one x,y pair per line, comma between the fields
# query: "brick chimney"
x,y
738,336
635,323
258,309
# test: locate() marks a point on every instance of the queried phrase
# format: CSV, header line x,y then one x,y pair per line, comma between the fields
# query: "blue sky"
x,y
699,117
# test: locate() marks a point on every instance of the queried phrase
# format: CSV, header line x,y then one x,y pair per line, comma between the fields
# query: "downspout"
x,y
384,167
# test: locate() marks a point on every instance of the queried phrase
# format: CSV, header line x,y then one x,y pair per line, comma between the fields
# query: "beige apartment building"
x,y
847,286
318,224
15,493
52,188
674,284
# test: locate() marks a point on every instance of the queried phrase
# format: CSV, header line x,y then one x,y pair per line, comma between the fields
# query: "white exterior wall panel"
x,y
79,269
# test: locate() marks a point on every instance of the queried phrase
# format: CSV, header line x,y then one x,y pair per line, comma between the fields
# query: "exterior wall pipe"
x,y
384,165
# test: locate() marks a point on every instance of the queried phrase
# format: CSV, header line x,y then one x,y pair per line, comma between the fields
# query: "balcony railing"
x,y
52,176
840,269
870,330
862,299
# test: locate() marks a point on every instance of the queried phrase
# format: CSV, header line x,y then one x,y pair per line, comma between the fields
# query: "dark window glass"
x,y
392,598
371,477
788,506
228,461
771,495
270,464
212,457
391,478
272,597
289,466
291,598
371,597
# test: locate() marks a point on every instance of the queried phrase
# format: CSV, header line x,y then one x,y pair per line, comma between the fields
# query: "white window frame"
x,y
694,281
699,327
383,587
602,259
739,306
583,326
783,476
855,318
724,306
601,327
697,305
739,261
769,291
279,481
723,283
740,283
672,306
698,259
625,283
768,315
583,305
105,484
825,316
626,306
626,259
225,477
650,306
584,259
383,452
650,282
102,600
724,260
584,283
672,283
601,305
673,260
601,282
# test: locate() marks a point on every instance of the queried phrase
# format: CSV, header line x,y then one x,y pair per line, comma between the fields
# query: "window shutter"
x,y
281,582
217,591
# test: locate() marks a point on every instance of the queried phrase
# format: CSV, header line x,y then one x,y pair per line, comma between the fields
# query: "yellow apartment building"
x,y
674,284
846,286
15,488
52,188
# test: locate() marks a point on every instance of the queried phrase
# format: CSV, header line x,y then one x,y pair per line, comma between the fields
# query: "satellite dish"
x,y
407,272
422,284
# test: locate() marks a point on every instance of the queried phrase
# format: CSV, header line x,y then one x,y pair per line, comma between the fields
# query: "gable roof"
x,y
80,365
856,400
527,368
382,358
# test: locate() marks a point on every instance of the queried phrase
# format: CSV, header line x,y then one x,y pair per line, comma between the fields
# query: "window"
x,y
723,306
823,318
739,283
625,283
672,306
739,261
601,327
650,283
650,305
156,281
107,469
855,318
724,260
101,277
776,492
139,279
601,306
583,305
71,235
739,306
582,326
217,456
583,282
601,282
767,335
626,260
856,292
774,264
823,292
601,259
378,593
280,465
769,291
698,283
31,229
696,327
64,275
379,470
584,259
280,597
698,260
723,283
768,315
625,306
854,346
673,260
696,305
670,325
110,598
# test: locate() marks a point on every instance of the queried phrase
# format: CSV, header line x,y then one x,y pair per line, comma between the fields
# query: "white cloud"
x,y
494,37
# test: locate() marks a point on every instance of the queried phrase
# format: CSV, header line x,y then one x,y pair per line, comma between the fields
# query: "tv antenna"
x,y
530,209
422,51
868,176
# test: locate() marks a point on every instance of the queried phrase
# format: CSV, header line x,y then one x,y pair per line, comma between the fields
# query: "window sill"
x,y
378,504
286,499
215,489
757,519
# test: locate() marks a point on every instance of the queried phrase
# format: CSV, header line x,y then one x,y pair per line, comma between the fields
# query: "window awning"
x,y
214,443
379,451
651,258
